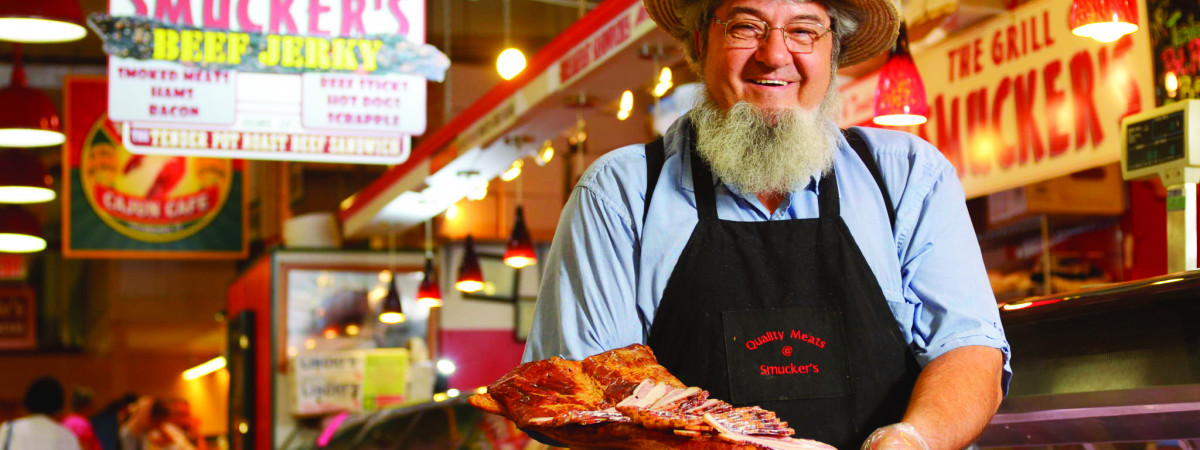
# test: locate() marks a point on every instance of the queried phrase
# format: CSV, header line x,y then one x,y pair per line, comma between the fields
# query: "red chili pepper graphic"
x,y
168,176
134,162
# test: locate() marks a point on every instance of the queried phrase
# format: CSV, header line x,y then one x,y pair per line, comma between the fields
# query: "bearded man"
x,y
769,259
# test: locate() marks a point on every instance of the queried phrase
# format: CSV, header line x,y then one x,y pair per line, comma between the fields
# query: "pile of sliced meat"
x,y
623,398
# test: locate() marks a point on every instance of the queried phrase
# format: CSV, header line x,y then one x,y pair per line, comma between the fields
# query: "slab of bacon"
x,y
624,399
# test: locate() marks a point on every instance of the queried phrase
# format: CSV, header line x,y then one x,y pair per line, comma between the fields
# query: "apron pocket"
x,y
785,354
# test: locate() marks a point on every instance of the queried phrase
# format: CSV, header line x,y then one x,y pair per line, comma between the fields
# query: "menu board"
x,y
1175,37
263,79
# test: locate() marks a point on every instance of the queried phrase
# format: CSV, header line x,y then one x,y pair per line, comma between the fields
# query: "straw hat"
x,y
877,29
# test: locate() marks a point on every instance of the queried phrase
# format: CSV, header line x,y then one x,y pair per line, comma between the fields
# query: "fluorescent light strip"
x,y
206,368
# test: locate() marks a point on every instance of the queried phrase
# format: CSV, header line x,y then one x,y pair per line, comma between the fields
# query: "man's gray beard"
x,y
766,152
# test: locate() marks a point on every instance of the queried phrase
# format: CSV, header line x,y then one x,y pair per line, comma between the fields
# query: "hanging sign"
x,y
18,318
123,205
1019,99
262,79
349,380
1175,33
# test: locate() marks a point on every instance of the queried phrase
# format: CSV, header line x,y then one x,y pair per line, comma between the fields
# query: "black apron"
x,y
786,315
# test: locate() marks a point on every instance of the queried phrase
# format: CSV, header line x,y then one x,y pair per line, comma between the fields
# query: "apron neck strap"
x,y
827,190
702,184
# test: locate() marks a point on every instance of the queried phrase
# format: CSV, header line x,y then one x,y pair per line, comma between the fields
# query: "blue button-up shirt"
x,y
607,268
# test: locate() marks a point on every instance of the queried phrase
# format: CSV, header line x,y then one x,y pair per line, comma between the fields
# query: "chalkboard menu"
x,y
1154,141
1175,37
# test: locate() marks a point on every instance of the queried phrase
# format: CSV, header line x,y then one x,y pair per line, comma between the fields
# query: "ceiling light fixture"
x,y
28,118
900,93
513,171
23,179
626,106
429,293
470,275
205,368
1103,20
20,231
479,190
545,154
664,82
41,21
511,61
519,251
392,312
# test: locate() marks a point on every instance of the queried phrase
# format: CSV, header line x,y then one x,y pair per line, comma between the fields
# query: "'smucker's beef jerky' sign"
x,y
259,79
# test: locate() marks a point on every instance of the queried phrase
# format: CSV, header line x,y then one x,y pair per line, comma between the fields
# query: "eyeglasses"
x,y
751,33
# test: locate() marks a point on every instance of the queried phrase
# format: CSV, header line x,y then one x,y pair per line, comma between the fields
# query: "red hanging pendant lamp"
x,y
429,294
470,275
519,251
900,94
20,231
41,21
28,118
23,179
392,312
1103,20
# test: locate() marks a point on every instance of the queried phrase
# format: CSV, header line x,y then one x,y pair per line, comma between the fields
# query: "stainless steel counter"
x,y
1114,364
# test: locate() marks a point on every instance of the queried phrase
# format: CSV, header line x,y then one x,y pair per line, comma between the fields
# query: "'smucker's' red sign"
x,y
1020,99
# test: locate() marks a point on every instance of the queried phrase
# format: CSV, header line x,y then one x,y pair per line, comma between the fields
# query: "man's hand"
x,y
956,396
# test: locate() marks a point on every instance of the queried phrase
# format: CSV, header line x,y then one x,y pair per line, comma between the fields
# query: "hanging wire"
x,y
447,108
429,238
507,24
391,251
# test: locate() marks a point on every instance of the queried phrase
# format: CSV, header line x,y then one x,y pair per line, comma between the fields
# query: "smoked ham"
x,y
624,399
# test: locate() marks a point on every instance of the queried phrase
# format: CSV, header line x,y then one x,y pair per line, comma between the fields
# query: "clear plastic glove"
x,y
898,436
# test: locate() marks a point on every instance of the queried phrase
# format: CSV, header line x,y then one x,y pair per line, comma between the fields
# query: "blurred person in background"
x,y
149,428
106,424
182,424
82,406
40,429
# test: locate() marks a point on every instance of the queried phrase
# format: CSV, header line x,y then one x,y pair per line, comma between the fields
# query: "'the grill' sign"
x,y
318,80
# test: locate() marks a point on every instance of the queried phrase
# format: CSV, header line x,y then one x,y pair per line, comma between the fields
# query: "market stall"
x,y
1030,116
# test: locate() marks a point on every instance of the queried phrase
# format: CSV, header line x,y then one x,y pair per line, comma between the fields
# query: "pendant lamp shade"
x,y
470,275
1103,20
392,311
519,251
28,118
429,294
900,94
330,331
23,179
20,231
41,21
